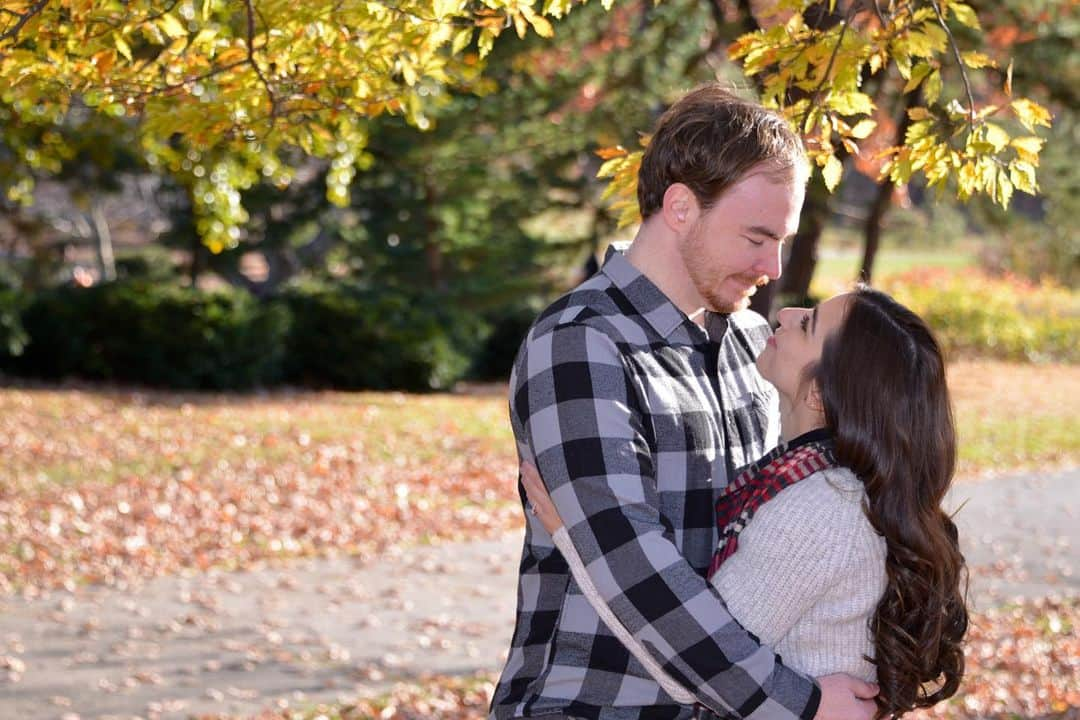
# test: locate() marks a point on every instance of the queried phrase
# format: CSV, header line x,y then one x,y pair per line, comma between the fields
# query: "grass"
x,y
838,266
1012,416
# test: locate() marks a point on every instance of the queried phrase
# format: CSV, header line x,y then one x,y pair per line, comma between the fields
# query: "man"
x,y
637,398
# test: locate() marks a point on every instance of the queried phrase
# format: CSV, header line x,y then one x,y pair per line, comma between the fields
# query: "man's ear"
x,y
680,210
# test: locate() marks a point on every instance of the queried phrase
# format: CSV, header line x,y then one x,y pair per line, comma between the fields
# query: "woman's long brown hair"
x,y
882,383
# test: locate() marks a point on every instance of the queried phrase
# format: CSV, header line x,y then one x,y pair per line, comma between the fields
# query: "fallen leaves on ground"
x,y
118,487
1023,661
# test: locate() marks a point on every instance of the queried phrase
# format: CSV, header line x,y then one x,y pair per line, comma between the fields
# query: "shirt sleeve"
x,y
578,414
573,560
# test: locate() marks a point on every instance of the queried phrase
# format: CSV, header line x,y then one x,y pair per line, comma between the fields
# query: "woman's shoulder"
x,y
837,487
828,503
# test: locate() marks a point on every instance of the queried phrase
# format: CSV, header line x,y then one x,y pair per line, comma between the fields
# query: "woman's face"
x,y
797,343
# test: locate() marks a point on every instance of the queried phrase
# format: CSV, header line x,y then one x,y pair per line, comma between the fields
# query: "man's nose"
x,y
770,262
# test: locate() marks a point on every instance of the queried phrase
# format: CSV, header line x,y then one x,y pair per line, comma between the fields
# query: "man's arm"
x,y
575,410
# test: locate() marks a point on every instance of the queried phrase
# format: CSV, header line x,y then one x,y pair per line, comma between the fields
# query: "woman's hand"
x,y
539,499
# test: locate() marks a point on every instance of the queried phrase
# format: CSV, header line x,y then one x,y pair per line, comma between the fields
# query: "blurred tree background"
x,y
402,232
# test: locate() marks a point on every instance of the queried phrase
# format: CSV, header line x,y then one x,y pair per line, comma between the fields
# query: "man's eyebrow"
x,y
762,230
813,318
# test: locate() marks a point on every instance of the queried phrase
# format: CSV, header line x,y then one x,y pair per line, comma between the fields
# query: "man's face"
x,y
736,245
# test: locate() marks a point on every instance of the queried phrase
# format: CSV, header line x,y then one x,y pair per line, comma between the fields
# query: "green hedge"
x,y
153,334
353,338
13,337
323,335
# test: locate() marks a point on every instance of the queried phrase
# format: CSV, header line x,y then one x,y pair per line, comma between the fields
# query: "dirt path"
x,y
328,630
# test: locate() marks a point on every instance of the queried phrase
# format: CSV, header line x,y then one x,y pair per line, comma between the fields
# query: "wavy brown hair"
x,y
882,383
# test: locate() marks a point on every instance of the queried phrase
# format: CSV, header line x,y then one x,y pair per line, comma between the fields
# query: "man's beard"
x,y
708,285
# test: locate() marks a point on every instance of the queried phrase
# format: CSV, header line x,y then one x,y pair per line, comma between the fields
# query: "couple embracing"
x,y
724,521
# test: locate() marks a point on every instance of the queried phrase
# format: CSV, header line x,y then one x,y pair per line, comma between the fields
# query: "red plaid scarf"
x,y
785,465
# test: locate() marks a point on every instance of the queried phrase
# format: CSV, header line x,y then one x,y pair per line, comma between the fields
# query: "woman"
x,y
834,548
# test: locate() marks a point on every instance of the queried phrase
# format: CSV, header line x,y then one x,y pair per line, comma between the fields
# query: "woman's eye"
x,y
752,241
804,322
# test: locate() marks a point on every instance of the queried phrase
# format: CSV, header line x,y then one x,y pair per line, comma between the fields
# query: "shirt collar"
x,y
821,434
653,305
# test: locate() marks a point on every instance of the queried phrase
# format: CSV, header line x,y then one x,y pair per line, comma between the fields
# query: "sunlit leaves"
x,y
248,84
622,167
831,172
814,77
814,74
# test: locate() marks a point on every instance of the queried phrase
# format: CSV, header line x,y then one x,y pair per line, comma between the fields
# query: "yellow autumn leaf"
x,y
996,136
851,103
1028,148
965,15
1022,175
976,60
863,128
932,87
122,47
461,40
171,26
1030,113
832,172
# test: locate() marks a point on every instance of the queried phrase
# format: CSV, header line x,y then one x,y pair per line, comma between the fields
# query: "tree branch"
x,y
23,19
251,57
845,23
959,64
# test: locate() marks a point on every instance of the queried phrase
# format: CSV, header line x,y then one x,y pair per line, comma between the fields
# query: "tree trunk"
x,y
872,227
800,265
103,242
197,258
433,254
799,270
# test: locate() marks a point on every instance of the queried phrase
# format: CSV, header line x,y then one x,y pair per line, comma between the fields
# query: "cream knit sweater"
x,y
806,578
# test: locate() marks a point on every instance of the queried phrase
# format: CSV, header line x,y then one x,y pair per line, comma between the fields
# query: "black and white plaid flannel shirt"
x,y
617,398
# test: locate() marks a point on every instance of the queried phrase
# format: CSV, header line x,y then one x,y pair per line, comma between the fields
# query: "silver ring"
x,y
532,509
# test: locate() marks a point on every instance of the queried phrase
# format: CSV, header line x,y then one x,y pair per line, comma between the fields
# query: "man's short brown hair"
x,y
710,139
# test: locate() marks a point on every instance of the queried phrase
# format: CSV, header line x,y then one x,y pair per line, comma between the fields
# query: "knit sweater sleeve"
x,y
792,551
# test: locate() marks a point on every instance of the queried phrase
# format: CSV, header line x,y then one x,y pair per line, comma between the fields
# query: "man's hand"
x,y
539,499
846,698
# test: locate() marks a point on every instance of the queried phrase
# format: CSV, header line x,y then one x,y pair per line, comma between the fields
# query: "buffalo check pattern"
x,y
637,418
